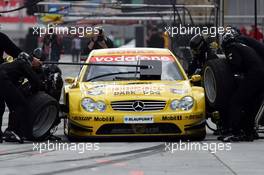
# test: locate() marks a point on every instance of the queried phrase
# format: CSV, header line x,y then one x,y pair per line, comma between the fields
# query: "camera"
x,y
100,36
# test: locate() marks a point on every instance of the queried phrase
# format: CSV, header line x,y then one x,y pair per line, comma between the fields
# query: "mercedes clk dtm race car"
x,y
135,92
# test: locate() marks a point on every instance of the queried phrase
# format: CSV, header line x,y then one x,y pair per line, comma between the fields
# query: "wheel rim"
x,y
44,121
210,84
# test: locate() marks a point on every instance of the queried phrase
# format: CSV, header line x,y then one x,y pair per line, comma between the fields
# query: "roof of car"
x,y
130,51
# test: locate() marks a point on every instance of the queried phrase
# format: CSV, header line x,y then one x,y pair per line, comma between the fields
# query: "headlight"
x,y
174,104
100,106
88,104
186,103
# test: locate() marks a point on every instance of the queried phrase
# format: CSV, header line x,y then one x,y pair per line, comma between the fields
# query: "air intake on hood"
x,y
138,105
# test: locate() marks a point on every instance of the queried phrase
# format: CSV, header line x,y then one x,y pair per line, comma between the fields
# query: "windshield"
x,y
170,71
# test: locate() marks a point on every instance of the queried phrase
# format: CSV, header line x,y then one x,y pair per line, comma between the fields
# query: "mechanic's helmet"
x,y
38,53
228,38
197,44
25,57
235,31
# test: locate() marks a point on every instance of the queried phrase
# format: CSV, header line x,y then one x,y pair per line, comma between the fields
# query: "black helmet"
x,y
197,44
235,31
227,39
38,53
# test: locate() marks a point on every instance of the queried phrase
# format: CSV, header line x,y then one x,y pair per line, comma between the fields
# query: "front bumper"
x,y
114,125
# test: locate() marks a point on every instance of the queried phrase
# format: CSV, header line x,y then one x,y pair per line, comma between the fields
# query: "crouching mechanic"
x,y
245,61
10,74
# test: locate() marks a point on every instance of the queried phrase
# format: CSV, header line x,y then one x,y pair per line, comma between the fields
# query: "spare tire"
x,y
218,83
44,111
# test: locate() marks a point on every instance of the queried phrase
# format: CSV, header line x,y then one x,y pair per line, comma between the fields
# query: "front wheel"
x,y
218,82
44,111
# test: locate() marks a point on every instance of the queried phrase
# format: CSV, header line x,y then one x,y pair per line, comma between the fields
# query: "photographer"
x,y
99,41
10,74
52,46
156,39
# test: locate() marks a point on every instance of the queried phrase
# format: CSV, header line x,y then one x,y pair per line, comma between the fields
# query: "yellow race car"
x,y
135,92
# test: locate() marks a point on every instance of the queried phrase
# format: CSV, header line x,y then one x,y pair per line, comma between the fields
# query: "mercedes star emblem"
x,y
138,106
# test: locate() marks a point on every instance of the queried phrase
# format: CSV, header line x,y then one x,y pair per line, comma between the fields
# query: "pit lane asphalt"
x,y
130,158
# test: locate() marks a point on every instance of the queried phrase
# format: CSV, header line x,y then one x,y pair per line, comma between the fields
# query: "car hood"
x,y
135,89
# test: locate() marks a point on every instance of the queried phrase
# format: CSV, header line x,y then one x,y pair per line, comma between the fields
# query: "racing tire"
x,y
218,82
44,111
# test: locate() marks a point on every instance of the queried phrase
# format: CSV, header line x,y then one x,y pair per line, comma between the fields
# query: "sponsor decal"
x,y
151,92
95,92
96,119
82,118
169,118
137,89
137,92
125,93
138,119
136,129
194,117
104,119
126,52
133,58
179,91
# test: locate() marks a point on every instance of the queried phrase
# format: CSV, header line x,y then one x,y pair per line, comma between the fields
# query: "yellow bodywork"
x,y
83,124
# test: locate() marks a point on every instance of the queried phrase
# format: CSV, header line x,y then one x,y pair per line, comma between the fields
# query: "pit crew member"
x,y
200,47
246,61
9,75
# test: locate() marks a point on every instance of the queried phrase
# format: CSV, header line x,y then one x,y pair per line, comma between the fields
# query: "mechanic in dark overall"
x,y
201,50
259,48
253,43
246,61
10,73
249,41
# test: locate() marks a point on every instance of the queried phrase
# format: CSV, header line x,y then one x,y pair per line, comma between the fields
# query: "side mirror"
x,y
196,78
38,53
69,80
